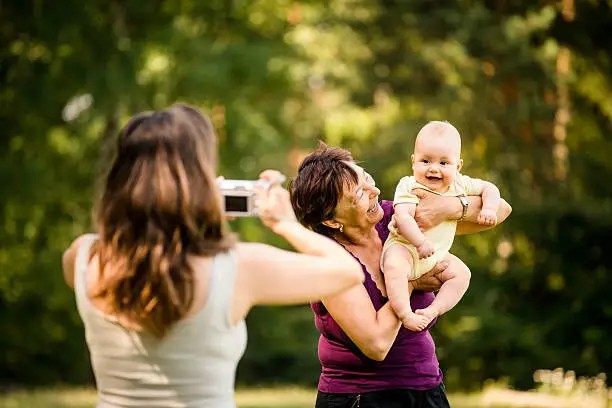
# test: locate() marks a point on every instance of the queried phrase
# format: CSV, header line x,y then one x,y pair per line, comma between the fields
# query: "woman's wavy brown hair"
x,y
319,185
159,205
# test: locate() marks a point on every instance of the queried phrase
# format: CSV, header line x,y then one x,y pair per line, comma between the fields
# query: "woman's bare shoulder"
x,y
69,257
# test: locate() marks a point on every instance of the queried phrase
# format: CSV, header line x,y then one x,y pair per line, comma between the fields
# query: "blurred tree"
x,y
70,75
491,68
275,75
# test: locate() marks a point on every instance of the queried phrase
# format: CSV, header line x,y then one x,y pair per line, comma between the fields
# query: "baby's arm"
x,y
491,200
407,226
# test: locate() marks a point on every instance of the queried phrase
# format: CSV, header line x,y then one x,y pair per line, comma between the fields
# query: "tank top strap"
x,y
80,270
221,290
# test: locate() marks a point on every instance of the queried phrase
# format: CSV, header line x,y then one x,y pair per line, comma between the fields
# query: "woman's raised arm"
x,y
268,275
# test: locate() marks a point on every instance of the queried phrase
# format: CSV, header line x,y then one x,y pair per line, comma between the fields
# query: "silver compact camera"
x,y
239,196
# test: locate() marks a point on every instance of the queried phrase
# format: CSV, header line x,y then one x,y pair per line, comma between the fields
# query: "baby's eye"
x,y
444,163
425,161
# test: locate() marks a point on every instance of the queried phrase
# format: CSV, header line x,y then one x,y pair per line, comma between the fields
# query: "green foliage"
x,y
276,75
537,299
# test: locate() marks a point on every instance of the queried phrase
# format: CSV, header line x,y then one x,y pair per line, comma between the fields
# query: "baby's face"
x,y
436,162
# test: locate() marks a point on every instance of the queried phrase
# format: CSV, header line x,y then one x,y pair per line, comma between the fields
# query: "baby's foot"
x,y
428,314
415,322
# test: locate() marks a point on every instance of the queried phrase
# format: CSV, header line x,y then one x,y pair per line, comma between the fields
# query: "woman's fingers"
x,y
440,267
272,176
227,217
274,203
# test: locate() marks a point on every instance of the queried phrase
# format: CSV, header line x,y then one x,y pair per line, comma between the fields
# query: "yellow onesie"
x,y
442,235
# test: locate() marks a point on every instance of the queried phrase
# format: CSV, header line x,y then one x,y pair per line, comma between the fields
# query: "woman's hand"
x,y
227,217
273,201
432,280
434,209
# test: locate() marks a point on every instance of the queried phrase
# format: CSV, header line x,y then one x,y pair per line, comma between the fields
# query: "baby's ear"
x,y
459,165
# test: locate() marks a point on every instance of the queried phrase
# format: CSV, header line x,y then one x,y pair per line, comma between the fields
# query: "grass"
x,y
491,397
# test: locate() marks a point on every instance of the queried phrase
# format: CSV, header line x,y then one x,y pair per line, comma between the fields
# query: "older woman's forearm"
x,y
388,325
372,331
503,211
470,226
474,208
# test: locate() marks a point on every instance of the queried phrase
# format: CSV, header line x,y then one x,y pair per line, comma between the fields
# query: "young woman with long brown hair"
x,y
163,288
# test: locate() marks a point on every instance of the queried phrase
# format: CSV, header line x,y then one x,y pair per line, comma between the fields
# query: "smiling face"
x,y
358,206
436,160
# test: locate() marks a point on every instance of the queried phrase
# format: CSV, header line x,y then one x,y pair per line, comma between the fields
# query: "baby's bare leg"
x,y
397,265
452,290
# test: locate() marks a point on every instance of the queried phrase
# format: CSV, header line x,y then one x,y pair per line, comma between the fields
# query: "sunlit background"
x,y
527,83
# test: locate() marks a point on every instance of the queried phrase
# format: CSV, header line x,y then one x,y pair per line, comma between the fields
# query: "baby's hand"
x,y
425,250
487,217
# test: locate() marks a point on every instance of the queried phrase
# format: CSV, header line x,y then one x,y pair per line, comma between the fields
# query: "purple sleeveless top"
x,y
411,362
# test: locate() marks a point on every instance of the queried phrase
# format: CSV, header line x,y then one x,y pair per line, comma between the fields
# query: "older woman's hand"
x,y
434,209
432,280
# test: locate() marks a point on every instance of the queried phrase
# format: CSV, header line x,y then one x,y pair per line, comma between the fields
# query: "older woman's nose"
x,y
375,190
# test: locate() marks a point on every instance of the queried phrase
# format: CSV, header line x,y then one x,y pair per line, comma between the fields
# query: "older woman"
x,y
367,358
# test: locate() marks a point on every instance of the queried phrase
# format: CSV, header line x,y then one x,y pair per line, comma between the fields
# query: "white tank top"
x,y
194,365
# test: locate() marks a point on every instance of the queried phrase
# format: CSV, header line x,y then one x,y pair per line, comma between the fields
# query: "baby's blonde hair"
x,y
439,128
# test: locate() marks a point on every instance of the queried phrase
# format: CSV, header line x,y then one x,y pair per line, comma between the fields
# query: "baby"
x,y
436,164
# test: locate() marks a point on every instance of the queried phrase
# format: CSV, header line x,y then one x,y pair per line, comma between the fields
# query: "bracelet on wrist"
x,y
464,204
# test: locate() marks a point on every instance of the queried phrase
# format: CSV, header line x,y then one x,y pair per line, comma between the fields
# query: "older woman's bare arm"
x,y
469,227
374,332
433,209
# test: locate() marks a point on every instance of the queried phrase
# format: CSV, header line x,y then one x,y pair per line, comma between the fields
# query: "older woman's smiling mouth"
x,y
373,207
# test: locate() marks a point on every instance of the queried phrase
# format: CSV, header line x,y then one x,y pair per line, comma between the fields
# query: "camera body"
x,y
239,196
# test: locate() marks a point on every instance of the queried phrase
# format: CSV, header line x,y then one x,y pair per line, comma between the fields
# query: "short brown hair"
x,y
319,185
160,203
